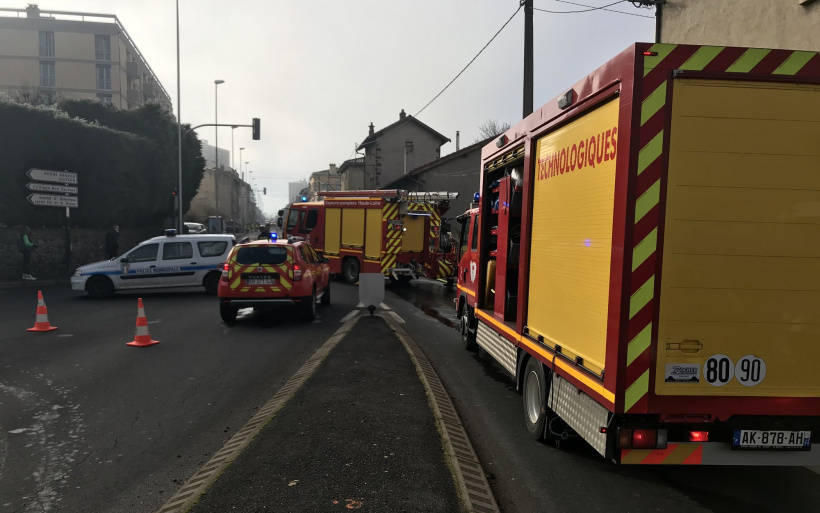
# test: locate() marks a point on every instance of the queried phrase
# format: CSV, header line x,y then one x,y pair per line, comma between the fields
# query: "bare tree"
x,y
491,128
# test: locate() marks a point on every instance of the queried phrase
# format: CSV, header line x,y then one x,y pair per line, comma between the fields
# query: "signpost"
x,y
68,181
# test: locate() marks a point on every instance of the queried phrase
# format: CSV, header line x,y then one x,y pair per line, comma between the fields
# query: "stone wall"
x,y
48,259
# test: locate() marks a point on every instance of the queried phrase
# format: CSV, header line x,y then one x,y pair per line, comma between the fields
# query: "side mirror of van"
x,y
124,260
279,222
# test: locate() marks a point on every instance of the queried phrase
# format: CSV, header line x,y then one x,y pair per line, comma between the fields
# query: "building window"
x,y
47,75
104,78
46,44
104,98
102,44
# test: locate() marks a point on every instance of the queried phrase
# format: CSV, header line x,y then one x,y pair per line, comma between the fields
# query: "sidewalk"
x,y
354,432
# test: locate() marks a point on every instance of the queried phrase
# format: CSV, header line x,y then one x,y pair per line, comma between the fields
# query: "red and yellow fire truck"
x,y
393,232
645,258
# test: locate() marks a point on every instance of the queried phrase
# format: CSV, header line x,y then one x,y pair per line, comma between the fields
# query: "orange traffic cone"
x,y
142,338
41,321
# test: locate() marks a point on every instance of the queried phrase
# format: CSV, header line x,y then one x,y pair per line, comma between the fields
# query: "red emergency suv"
x,y
268,273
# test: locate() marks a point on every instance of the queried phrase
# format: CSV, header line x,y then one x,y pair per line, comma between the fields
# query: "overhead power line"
x,y
590,8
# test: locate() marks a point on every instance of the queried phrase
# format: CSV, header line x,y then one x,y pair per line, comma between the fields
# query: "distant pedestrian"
x,y
112,244
25,245
264,233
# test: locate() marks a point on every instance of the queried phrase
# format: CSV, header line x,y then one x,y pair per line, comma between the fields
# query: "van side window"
x,y
211,248
147,253
177,250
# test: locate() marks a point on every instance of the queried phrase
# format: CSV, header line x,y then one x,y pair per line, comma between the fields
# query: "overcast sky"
x,y
318,72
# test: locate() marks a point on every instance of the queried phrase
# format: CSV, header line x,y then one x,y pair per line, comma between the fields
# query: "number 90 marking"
x,y
750,370
718,370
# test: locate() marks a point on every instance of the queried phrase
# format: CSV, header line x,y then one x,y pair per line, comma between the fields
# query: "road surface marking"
x,y
351,315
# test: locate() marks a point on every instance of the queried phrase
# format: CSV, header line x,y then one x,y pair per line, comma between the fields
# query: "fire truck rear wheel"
x,y
351,270
467,336
534,394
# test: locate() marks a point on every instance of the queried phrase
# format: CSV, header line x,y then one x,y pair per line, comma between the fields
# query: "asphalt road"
x,y
90,424
528,476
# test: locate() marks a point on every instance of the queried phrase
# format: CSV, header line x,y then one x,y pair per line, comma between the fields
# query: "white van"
x,y
166,261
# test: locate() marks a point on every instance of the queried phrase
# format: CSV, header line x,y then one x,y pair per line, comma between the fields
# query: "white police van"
x,y
166,261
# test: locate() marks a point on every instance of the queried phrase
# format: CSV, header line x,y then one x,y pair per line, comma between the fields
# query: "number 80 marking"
x,y
719,370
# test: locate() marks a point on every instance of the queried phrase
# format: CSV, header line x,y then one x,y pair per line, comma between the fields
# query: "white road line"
x,y
351,315
395,316
63,335
384,306
816,470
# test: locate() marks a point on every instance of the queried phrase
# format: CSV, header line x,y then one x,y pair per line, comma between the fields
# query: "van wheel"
x,y
351,270
211,283
227,312
467,337
310,307
534,394
99,287
326,295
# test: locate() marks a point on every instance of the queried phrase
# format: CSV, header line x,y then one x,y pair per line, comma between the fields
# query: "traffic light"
x,y
265,191
256,129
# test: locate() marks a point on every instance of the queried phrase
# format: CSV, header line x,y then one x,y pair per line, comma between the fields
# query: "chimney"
x,y
402,115
371,128
33,11
457,137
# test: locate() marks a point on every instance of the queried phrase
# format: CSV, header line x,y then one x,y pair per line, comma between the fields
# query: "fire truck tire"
x,y
351,270
467,336
534,394
228,313
309,312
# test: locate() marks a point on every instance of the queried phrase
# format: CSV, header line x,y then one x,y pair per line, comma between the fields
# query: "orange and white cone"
x,y
141,337
41,321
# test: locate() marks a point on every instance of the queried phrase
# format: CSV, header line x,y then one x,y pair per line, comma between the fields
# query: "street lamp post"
x,y
233,127
216,142
240,163
179,132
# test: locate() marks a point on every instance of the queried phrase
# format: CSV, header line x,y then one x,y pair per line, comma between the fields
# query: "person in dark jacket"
x,y
112,244
25,245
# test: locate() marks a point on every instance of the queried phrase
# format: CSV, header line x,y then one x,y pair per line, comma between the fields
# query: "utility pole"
x,y
658,4
527,57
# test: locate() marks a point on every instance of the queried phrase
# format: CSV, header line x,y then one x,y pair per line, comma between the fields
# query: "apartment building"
x,y
77,55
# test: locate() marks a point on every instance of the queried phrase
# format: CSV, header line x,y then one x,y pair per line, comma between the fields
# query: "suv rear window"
x,y
262,255
212,248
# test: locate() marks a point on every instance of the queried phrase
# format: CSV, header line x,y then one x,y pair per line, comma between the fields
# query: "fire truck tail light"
x,y
650,53
698,436
642,438
297,272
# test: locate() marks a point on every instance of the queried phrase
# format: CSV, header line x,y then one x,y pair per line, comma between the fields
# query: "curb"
x,y
475,493
37,283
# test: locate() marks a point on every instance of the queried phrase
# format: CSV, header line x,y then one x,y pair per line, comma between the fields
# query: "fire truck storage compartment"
x,y
740,279
412,239
571,239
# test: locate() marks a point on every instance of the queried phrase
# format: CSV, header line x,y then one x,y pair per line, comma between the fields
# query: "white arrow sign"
x,y
47,187
48,200
45,175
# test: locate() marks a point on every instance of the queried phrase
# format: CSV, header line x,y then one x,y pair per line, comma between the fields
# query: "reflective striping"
x,y
647,201
653,103
645,249
636,390
701,58
650,153
794,63
651,62
639,344
642,297
674,454
748,60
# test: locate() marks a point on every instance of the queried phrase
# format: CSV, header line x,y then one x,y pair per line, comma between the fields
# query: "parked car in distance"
x,y
196,228
167,261
266,274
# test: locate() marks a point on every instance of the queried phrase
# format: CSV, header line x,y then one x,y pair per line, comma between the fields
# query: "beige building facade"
x,y
785,24
74,55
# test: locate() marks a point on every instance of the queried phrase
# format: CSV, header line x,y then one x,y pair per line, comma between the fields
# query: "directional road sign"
x,y
49,200
45,175
47,187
